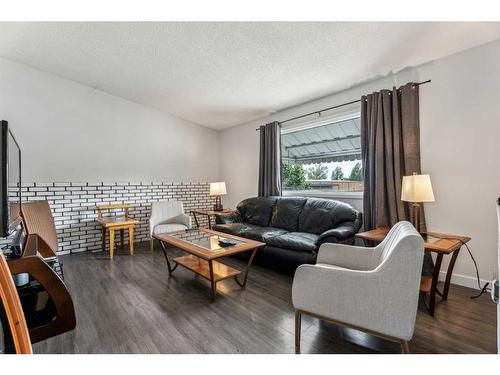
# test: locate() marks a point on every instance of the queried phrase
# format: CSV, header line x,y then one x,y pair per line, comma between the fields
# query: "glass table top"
x,y
208,241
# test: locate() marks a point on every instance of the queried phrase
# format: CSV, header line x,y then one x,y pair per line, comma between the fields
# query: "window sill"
x,y
326,194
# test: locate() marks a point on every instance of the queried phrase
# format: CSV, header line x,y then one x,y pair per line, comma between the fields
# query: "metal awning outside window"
x,y
335,142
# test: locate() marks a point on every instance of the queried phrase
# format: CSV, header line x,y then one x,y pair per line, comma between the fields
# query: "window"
x,y
322,157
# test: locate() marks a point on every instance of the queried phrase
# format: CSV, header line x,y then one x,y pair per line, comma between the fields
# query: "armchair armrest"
x,y
228,217
352,257
152,224
180,219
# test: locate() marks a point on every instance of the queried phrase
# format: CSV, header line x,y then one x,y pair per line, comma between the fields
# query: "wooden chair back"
x,y
13,310
114,206
39,226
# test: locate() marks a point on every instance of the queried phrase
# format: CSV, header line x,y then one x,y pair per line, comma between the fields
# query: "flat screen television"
x,y
10,181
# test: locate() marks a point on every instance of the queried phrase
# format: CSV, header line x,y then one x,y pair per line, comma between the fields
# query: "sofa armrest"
x,y
340,234
228,217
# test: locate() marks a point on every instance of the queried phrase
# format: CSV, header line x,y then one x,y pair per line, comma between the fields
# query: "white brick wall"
x,y
73,206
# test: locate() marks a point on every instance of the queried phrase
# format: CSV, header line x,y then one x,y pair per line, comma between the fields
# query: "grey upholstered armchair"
x,y
167,217
371,289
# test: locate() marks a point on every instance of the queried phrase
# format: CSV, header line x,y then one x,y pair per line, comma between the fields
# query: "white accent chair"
x,y
375,290
167,217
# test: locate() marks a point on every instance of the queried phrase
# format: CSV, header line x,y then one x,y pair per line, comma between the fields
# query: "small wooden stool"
x,y
113,223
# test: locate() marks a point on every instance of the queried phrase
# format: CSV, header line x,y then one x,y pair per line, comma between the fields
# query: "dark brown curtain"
x,y
390,142
270,160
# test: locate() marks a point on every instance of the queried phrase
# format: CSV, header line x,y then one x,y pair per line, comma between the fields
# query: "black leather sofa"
x,y
292,228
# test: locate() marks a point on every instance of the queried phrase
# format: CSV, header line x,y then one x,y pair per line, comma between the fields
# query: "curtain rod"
x,y
336,106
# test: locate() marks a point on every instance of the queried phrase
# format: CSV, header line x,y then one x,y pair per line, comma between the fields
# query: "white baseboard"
x,y
463,280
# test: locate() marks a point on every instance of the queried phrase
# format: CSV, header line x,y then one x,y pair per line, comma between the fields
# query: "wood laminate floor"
x,y
130,305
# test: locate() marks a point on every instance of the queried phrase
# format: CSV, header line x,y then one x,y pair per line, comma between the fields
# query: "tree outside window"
x,y
356,173
337,174
294,177
318,172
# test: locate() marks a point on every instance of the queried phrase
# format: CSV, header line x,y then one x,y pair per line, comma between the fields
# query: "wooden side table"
x,y
208,214
114,223
439,243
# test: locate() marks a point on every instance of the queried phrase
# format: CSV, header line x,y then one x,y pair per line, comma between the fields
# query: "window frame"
x,y
340,116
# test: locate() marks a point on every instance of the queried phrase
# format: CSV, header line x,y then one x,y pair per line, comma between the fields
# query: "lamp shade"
x,y
417,188
218,188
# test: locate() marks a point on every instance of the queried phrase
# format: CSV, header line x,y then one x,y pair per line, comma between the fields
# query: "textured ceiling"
x,y
223,74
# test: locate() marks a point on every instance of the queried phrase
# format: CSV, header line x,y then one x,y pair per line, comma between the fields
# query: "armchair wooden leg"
x,y
131,239
298,321
405,348
151,245
111,243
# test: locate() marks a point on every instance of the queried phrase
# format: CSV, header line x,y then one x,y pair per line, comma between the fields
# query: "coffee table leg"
x,y
170,268
245,275
213,283
448,274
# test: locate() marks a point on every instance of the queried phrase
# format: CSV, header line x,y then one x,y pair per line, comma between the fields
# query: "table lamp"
x,y
217,189
417,189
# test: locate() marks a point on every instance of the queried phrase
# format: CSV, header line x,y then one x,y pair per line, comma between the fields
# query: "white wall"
x,y
460,131
72,132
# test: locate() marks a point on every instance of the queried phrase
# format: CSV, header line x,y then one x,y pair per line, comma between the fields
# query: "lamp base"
x,y
416,220
416,216
218,204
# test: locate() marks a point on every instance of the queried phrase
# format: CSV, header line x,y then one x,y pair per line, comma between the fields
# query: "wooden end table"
x,y
114,223
208,214
435,242
204,252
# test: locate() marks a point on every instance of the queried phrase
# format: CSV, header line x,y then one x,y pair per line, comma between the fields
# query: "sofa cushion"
x,y
263,233
286,213
298,241
234,228
319,215
257,211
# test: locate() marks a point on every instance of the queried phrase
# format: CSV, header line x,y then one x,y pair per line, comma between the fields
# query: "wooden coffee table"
x,y
203,248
